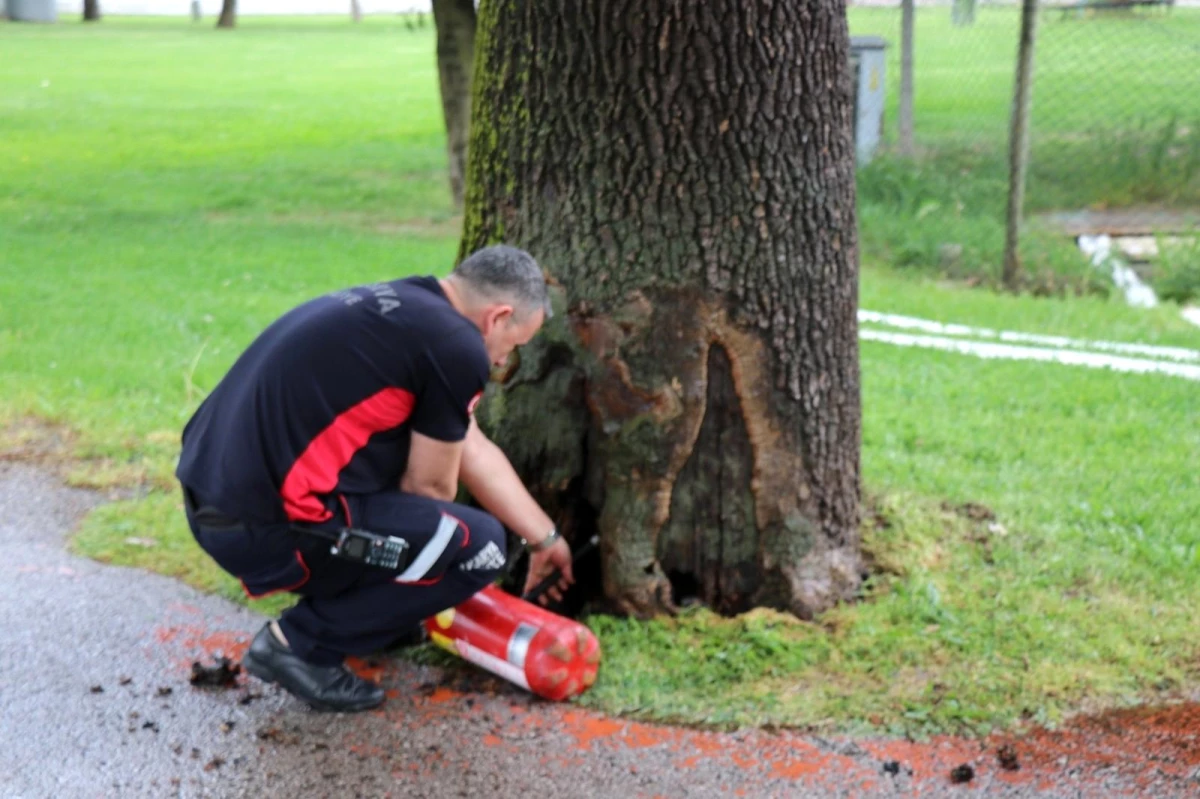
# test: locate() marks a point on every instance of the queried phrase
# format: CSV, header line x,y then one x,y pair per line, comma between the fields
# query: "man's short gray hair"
x,y
509,273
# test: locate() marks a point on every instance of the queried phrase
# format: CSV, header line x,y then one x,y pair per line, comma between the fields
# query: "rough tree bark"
x,y
455,22
685,171
91,10
228,18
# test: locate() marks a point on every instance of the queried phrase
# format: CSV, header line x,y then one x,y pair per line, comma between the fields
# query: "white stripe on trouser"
x,y
432,551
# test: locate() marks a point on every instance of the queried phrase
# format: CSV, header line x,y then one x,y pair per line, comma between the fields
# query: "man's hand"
x,y
542,564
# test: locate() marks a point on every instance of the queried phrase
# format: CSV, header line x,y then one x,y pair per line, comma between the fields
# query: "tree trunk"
x,y
91,10
1018,144
687,176
455,22
228,16
355,11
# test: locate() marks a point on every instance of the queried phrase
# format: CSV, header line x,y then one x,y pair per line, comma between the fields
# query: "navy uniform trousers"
x,y
349,608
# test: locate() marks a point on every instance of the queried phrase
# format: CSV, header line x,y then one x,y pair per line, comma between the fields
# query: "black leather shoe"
x,y
332,688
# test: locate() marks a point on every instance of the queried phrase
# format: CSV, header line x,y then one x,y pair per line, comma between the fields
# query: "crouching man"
x,y
325,463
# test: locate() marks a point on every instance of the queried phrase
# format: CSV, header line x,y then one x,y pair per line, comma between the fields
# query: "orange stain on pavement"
x,y
775,758
587,729
366,670
441,695
199,643
1140,744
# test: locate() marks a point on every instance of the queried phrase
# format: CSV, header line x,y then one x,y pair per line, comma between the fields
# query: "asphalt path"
x,y
95,701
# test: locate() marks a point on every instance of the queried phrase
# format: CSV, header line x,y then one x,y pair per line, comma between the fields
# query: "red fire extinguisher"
x,y
552,656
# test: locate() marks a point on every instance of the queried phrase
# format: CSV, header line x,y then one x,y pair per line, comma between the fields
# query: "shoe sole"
x,y
252,666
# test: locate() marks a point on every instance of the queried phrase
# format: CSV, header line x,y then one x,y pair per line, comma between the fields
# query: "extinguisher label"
x,y
501,668
518,644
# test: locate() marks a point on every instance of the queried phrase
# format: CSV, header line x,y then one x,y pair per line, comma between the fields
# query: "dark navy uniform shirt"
x,y
326,398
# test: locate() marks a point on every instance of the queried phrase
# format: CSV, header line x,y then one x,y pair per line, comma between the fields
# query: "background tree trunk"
x,y
355,11
91,10
687,176
455,22
228,16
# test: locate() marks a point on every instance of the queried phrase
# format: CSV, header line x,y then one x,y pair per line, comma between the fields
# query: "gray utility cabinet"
x,y
868,68
31,10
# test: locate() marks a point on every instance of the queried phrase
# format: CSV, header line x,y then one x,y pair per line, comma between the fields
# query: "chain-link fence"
x,y
1115,127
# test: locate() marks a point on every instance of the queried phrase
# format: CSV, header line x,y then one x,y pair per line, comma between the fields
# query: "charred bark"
x,y
455,22
710,539
91,10
228,18
685,171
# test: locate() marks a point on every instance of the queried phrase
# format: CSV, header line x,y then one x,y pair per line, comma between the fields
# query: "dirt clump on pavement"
x,y
961,774
222,675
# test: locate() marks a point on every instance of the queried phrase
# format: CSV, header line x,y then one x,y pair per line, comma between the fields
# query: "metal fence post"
x,y
1018,142
906,76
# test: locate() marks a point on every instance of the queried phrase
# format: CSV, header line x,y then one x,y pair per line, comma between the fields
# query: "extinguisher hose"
x,y
535,593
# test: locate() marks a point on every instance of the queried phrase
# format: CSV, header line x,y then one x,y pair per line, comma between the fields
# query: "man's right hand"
x,y
543,564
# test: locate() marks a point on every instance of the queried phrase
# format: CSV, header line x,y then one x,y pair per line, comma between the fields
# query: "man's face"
x,y
503,332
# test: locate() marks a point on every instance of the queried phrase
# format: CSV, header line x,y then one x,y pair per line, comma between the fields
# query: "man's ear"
x,y
496,315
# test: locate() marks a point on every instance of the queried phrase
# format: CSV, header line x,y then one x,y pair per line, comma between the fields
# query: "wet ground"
x,y
95,700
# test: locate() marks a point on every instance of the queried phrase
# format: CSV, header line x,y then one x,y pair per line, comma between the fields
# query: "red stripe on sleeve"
x,y
316,470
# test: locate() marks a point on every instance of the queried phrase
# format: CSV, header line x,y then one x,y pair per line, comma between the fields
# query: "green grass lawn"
x,y
168,189
1115,123
1089,73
